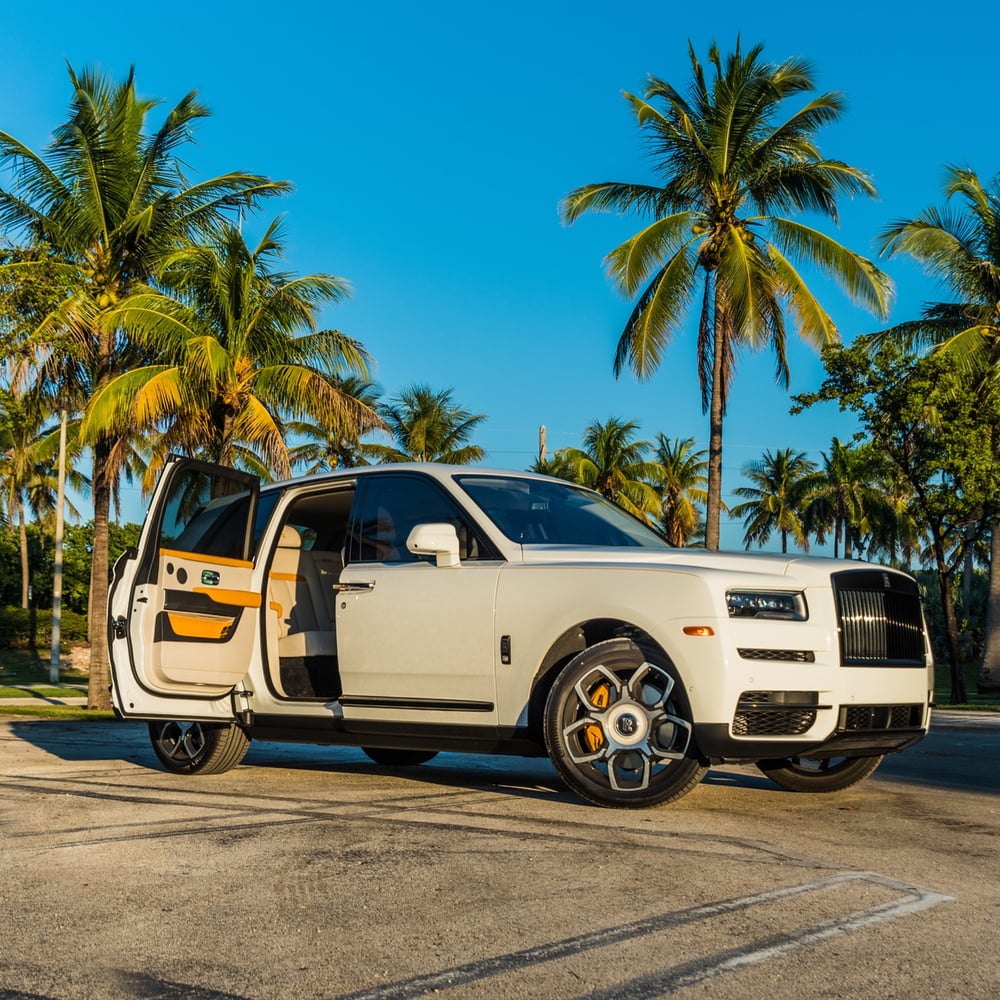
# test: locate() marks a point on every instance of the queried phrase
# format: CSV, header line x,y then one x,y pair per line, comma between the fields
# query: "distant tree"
x,y
730,169
939,431
682,487
28,456
428,426
614,463
335,445
961,250
841,495
776,500
557,465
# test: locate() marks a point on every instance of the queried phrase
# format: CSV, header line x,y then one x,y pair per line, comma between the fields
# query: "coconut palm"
x,y
558,464
960,249
775,501
842,495
614,463
428,426
729,169
337,445
682,487
111,199
235,365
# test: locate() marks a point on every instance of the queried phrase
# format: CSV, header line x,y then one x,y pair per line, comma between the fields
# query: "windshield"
x,y
548,512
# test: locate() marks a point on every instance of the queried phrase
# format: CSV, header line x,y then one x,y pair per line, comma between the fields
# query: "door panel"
x,y
418,643
186,610
415,640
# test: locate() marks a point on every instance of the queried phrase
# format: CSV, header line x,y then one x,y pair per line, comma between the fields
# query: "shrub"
x,y
33,627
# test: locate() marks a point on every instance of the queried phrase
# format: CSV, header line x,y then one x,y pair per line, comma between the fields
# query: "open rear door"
x,y
184,612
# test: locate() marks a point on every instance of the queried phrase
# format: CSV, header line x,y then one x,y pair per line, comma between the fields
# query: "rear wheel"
x,y
198,747
399,758
810,774
618,727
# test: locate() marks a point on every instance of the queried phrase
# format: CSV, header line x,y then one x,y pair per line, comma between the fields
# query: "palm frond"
x,y
656,317
861,280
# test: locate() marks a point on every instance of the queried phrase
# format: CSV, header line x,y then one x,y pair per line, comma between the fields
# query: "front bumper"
x,y
717,745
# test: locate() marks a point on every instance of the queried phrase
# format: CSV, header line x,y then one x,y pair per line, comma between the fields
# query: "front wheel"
x,y
198,747
618,727
827,774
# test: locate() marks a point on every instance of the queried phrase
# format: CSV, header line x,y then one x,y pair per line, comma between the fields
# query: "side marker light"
x,y
701,630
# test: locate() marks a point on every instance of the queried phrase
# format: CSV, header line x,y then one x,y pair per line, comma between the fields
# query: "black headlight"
x,y
783,605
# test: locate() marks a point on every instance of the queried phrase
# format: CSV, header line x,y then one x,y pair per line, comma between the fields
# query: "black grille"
x,y
867,717
774,722
784,655
880,619
775,713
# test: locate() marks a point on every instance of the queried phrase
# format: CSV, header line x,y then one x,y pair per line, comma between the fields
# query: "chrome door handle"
x,y
341,588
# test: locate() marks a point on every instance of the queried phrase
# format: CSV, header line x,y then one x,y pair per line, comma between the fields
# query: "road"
x,y
310,872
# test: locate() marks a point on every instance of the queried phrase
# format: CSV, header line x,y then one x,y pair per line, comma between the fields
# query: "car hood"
x,y
802,570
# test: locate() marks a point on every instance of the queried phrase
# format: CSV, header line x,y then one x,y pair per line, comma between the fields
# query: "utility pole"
x,y
541,445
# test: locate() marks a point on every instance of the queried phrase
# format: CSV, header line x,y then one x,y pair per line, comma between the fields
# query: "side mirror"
x,y
438,540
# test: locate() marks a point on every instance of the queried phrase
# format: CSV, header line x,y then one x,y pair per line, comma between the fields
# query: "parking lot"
x,y
312,872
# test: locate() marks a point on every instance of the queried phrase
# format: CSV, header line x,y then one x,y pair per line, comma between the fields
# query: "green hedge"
x,y
34,627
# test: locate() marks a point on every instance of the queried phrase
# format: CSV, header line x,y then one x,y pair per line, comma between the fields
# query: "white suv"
x,y
413,609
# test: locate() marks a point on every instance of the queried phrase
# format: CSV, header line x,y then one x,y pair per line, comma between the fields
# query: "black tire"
x,y
399,758
618,727
198,747
806,774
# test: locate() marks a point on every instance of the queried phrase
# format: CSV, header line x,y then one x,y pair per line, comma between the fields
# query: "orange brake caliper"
x,y
593,735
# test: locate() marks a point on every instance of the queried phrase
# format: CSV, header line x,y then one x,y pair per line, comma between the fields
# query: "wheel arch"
x,y
572,642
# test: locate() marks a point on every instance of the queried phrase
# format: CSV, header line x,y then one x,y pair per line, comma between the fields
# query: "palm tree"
x,y
683,487
728,169
21,419
235,365
895,533
334,446
111,200
428,426
776,500
961,251
841,496
558,465
614,463
28,453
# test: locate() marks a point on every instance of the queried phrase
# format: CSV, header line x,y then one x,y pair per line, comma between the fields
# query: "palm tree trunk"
x,y
713,504
25,571
98,695
988,680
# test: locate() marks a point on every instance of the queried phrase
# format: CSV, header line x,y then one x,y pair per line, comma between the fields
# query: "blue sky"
x,y
430,144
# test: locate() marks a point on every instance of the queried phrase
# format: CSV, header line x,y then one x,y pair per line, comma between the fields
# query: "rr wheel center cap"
x,y
628,726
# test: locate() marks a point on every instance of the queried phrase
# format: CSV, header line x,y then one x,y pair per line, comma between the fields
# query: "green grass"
x,y
31,666
975,702
42,692
65,712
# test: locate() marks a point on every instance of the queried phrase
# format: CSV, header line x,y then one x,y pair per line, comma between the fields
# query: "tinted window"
x,y
391,506
545,512
196,518
265,507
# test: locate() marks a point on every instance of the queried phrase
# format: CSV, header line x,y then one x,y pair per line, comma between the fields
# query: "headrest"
x,y
290,538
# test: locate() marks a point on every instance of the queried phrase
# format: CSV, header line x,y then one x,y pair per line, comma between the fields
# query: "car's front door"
x,y
184,612
415,640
